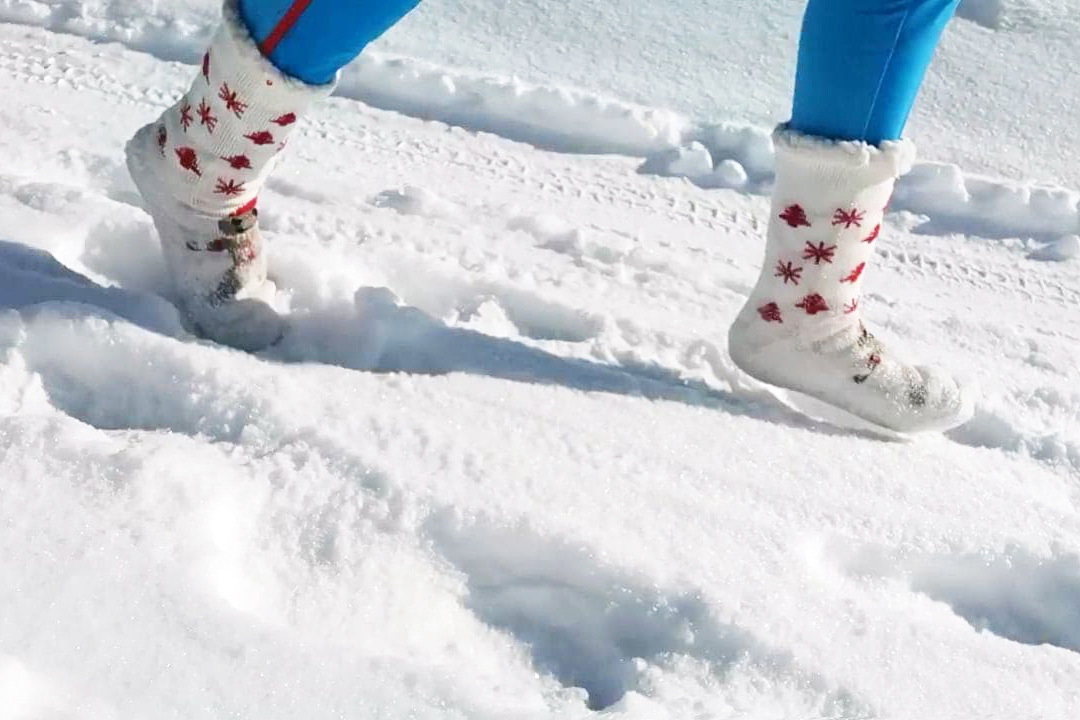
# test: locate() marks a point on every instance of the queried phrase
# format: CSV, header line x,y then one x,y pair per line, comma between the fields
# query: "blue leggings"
x,y
313,39
861,62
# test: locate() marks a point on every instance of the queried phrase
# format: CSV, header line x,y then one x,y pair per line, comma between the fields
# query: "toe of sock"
x,y
249,324
942,401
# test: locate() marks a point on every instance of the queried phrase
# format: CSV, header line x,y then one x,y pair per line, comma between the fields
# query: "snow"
x,y
1064,248
997,102
501,465
989,13
729,154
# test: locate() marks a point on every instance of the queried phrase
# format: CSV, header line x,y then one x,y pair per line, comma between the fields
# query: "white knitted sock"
x,y
218,144
801,327
200,167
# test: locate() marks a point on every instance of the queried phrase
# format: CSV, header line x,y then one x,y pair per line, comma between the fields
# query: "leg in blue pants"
x,y
313,39
201,165
860,66
861,63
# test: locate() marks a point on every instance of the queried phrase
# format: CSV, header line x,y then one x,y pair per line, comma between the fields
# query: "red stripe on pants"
x,y
287,21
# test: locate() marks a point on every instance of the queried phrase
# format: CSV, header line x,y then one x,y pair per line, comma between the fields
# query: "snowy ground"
x,y
1001,99
532,486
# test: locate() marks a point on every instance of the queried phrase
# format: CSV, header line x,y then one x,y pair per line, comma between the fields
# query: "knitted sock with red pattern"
x,y
200,167
802,327
219,143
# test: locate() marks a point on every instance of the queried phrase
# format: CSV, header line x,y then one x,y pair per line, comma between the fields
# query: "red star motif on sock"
x,y
238,162
819,253
813,304
847,218
795,216
262,137
229,188
771,313
851,306
789,272
206,117
285,120
873,234
232,101
185,116
188,159
855,274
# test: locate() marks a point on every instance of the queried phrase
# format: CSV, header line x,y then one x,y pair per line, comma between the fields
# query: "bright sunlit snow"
x,y
501,465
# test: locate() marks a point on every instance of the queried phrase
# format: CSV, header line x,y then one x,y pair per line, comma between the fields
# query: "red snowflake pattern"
x,y
206,117
285,120
229,188
813,304
819,253
238,162
188,159
852,306
873,234
185,116
162,138
847,218
232,101
206,66
771,313
855,274
789,272
795,216
262,137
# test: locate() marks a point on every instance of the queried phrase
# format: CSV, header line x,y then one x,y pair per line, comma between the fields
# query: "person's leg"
x,y
861,63
313,39
837,162
201,165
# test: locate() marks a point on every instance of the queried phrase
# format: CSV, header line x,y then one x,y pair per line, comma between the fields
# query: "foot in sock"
x,y
200,167
801,328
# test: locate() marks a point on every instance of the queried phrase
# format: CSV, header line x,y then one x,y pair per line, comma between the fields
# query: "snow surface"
x,y
999,101
501,466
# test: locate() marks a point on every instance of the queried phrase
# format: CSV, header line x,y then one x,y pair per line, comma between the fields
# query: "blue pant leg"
x,y
861,63
325,36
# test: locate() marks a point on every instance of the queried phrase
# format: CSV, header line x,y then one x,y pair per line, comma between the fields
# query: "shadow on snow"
x,y
375,334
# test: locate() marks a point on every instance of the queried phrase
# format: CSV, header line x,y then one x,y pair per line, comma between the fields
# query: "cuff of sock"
x,y
844,161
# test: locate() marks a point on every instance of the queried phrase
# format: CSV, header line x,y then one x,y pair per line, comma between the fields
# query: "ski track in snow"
x,y
713,155
546,492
